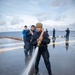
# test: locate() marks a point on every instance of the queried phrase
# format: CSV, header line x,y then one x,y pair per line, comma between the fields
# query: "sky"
x,y
58,14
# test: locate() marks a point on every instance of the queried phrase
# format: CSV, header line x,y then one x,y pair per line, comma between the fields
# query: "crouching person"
x,y
43,50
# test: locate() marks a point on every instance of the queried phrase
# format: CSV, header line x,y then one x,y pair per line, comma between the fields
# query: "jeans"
x,y
29,48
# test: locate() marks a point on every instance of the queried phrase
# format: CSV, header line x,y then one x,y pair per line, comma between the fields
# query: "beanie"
x,y
39,25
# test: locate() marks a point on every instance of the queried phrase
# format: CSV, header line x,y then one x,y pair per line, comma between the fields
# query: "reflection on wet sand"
x,y
27,60
53,41
67,43
14,62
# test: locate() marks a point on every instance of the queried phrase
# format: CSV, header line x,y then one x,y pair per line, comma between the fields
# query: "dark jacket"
x,y
29,35
67,32
44,42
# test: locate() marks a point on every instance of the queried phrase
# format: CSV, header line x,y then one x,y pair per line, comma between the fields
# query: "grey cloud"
x,y
73,25
42,16
60,18
2,22
16,20
60,3
34,2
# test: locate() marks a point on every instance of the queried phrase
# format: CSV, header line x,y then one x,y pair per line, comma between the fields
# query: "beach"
x,y
14,62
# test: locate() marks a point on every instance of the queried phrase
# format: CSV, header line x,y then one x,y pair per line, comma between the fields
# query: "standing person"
x,y
53,33
46,30
24,35
29,47
43,48
67,34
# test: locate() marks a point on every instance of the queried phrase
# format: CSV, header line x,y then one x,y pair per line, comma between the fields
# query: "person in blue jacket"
x,y
24,35
29,47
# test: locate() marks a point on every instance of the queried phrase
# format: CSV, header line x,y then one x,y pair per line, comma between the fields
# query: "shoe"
x,y
36,72
24,47
50,74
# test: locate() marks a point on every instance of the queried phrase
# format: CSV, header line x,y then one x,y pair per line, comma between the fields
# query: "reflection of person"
x,y
67,44
67,34
29,47
53,33
27,59
53,40
43,50
24,35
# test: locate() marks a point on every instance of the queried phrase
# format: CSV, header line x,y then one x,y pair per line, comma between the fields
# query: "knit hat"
x,y
39,25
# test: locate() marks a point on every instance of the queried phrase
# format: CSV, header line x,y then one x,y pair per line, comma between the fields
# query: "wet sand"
x,y
14,62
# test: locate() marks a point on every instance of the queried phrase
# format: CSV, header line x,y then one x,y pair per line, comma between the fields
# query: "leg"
x,y
45,55
37,62
24,39
31,50
27,48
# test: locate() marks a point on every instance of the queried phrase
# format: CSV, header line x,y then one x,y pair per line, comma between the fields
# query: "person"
x,y
53,33
29,47
67,34
24,35
46,30
43,48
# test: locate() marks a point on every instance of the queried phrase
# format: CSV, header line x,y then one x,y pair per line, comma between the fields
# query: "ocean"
x,y
19,33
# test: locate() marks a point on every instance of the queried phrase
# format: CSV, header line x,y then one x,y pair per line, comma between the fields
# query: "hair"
x,y
25,26
32,26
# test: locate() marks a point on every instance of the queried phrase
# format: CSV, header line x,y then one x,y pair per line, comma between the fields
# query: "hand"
x,y
40,38
31,32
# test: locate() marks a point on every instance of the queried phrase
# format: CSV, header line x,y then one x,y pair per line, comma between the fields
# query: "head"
x,y
67,28
25,27
39,27
53,28
32,27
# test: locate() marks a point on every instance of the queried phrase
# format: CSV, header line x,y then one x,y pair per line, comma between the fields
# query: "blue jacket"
x,y
24,32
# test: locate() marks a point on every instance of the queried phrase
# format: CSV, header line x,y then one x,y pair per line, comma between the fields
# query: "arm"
x,y
34,40
46,39
23,32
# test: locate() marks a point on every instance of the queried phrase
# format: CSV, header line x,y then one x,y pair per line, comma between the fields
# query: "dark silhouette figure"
x,y
53,33
67,34
46,30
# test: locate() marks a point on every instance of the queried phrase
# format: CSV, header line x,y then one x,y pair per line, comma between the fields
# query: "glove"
x,y
38,42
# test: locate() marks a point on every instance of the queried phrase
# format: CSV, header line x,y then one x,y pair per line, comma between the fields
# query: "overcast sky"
x,y
59,14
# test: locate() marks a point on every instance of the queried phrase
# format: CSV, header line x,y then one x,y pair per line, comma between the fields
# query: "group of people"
x,y
31,38
27,37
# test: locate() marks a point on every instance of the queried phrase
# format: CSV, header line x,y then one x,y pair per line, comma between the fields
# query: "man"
x,y
29,47
44,39
67,34
53,33
24,35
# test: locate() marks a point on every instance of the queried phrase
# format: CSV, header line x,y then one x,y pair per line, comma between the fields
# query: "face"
x,y
25,27
38,29
32,28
